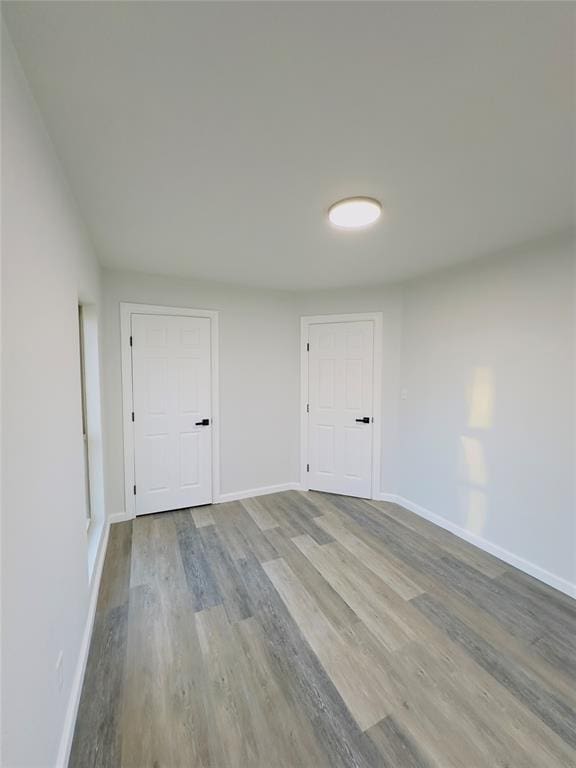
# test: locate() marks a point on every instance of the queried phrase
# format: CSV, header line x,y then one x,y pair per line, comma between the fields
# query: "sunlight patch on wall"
x,y
474,461
476,513
481,399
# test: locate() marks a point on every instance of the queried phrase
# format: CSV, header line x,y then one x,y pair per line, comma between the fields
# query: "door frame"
x,y
305,323
126,312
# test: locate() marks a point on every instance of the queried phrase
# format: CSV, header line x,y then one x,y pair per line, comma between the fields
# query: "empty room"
x,y
288,346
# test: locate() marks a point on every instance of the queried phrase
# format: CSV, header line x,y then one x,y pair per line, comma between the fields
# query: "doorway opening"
x,y
84,398
91,425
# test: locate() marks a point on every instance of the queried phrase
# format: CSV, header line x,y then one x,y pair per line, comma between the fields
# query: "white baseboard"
x,y
263,491
391,497
74,698
119,517
559,583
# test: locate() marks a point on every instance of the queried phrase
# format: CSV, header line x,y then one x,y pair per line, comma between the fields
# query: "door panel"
x,y
171,386
340,381
189,459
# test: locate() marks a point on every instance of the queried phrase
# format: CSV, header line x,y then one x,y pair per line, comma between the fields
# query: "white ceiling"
x,y
209,139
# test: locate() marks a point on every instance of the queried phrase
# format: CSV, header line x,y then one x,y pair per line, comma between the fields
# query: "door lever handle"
x,y
364,420
203,423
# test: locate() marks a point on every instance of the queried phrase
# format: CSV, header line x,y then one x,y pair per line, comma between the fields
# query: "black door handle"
x,y
203,423
364,420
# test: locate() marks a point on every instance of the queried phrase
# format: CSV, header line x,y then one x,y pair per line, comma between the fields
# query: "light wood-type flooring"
x,y
320,631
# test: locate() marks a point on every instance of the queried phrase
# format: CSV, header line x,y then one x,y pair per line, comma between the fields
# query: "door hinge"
x,y
307,407
307,467
130,340
132,415
308,347
134,490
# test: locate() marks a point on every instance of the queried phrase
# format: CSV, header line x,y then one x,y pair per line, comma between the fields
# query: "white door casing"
x,y
340,376
171,386
184,471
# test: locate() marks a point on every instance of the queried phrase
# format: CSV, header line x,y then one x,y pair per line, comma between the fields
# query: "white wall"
x,y
47,266
259,372
259,377
484,440
485,352
487,438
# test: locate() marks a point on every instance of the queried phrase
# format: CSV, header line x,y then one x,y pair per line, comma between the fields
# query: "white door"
x,y
171,390
340,401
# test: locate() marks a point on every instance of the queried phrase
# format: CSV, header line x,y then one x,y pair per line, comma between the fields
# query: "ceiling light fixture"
x,y
354,212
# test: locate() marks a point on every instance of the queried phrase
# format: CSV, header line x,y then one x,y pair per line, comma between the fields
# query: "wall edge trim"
x,y
262,491
67,735
265,490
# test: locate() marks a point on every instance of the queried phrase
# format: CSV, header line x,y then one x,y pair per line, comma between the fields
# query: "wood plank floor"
x,y
310,630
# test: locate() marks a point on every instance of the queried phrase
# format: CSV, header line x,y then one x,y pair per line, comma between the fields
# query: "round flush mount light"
x,y
354,212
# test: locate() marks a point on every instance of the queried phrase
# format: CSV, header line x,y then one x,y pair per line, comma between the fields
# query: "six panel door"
x,y
340,398
171,390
